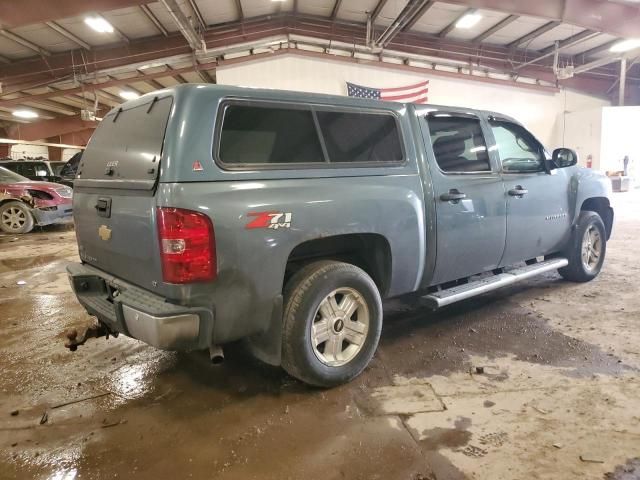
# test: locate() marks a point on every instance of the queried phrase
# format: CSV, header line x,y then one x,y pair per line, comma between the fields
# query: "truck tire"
x,y
586,248
332,323
15,217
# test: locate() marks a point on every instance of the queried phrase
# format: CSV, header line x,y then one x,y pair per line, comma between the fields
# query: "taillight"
x,y
187,246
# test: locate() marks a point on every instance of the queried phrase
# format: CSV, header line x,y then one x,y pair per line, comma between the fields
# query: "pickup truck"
x,y
208,214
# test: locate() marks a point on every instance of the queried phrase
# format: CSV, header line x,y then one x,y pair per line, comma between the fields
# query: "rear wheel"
x,y
15,217
332,323
586,249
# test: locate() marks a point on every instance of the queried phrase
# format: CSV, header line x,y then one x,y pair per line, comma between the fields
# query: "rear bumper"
x,y
138,313
45,216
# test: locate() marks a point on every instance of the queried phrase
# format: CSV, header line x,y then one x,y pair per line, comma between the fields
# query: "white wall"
x,y
583,132
620,137
32,151
67,153
541,112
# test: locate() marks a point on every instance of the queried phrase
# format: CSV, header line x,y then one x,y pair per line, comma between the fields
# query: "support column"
x,y
623,81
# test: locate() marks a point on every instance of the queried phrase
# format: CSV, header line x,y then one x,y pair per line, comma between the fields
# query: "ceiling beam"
x,y
498,26
595,50
172,72
566,43
91,87
397,25
33,72
617,18
449,28
153,19
66,33
239,10
336,9
534,34
25,43
571,41
48,128
376,11
154,83
419,14
198,14
116,31
27,12
194,39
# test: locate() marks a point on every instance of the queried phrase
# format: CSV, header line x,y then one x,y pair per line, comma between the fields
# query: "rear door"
x,y
469,195
114,202
538,219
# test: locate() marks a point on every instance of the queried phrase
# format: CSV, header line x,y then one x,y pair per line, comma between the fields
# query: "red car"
x,y
24,203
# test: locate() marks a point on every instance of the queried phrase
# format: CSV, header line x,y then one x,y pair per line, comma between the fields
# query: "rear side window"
x,y
258,135
264,135
458,144
360,137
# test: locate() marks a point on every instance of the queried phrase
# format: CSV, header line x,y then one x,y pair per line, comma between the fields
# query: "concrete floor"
x,y
559,397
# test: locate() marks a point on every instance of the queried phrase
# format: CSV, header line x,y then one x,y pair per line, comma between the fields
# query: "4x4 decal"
x,y
274,220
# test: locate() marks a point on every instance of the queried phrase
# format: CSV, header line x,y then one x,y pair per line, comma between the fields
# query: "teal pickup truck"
x,y
208,214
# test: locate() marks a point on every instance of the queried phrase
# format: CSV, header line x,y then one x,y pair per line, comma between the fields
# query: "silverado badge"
x,y
104,232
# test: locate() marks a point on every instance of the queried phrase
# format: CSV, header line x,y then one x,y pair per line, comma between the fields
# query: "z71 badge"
x,y
274,220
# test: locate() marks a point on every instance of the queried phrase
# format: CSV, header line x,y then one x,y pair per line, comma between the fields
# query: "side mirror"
x,y
564,157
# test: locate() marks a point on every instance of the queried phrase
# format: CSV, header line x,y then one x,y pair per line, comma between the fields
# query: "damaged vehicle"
x,y
25,204
207,214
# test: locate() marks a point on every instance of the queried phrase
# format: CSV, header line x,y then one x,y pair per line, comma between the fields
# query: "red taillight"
x,y
187,246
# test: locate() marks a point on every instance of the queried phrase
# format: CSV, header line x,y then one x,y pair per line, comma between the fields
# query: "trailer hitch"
x,y
75,338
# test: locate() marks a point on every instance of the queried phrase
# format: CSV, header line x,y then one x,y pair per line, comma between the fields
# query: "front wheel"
x,y
15,217
586,249
332,323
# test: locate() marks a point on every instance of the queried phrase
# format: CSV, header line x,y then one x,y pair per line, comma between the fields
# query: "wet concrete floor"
x,y
536,381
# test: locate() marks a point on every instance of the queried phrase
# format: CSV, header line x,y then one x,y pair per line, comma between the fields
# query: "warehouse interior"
x,y
534,380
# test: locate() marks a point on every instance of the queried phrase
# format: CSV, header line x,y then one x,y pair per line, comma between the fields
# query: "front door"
x,y
538,220
469,195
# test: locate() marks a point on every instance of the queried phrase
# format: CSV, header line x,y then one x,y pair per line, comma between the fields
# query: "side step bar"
x,y
471,289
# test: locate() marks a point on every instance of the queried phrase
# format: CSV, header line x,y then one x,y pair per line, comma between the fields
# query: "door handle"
x,y
518,191
453,196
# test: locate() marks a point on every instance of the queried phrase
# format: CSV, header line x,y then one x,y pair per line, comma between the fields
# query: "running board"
x,y
471,289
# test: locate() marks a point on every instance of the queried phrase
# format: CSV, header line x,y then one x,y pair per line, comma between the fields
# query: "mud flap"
x,y
267,346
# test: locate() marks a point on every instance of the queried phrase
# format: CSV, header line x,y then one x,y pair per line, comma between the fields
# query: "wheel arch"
x,y
602,207
369,251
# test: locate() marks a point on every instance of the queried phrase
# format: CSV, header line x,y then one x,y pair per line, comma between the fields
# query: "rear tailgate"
x,y
114,192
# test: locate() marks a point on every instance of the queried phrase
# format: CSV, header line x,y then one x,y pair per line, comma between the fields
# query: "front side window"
x,y
519,151
458,144
360,137
269,135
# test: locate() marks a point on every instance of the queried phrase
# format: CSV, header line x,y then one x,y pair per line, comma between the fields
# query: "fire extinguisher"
x,y
589,161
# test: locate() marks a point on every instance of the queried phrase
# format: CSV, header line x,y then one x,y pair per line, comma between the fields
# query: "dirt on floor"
x,y
537,381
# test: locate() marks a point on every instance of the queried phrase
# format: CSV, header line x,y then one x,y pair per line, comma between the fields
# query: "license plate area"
x,y
90,285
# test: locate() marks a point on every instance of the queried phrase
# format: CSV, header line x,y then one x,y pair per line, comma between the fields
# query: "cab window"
x,y
458,144
518,150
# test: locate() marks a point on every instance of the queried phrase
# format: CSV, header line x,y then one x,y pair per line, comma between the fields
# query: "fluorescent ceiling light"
x,y
25,114
625,45
128,94
99,24
468,20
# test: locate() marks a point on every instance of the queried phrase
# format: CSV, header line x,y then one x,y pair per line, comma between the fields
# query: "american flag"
x,y
416,93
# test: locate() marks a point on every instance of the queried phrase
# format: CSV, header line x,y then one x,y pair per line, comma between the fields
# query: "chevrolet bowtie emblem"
x,y
104,232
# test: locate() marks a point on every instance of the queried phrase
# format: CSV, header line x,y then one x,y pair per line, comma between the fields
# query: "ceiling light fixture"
x,y
468,20
25,114
99,24
625,45
128,94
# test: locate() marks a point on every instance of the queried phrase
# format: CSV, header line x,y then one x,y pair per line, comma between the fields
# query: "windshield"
x,y
7,176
